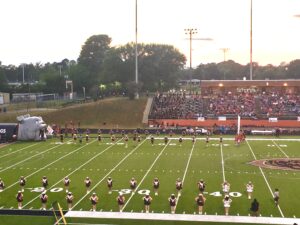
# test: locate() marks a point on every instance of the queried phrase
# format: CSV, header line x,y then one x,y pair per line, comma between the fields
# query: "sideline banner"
x,y
222,118
273,119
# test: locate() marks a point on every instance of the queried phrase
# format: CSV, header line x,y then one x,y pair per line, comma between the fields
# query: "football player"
x,y
133,184
69,199
67,182
121,201
200,200
249,189
178,185
94,200
156,185
99,138
139,138
19,198
147,202
44,199
109,185
87,137
87,183
172,202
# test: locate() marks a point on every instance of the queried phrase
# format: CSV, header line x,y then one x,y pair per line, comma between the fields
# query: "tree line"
x,y
101,69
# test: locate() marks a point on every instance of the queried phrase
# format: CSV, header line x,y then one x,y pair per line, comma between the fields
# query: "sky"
x,y
51,30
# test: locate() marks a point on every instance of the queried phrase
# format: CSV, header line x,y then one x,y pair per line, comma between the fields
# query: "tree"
x,y
92,56
158,64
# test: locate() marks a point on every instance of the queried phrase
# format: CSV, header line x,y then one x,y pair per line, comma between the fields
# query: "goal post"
x,y
58,214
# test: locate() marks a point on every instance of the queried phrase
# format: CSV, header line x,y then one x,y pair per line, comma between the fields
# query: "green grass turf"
x,y
145,162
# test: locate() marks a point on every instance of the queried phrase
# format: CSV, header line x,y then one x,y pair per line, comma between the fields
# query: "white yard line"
x,y
17,182
280,149
222,162
28,158
270,189
78,168
148,171
18,150
129,154
185,171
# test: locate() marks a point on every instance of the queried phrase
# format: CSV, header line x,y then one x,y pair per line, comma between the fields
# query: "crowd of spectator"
x,y
242,104
176,106
279,104
247,105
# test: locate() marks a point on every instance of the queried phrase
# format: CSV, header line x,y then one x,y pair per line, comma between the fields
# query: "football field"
x,y
189,161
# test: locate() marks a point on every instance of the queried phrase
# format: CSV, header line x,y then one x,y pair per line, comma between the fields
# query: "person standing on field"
x,y
200,200
227,202
254,207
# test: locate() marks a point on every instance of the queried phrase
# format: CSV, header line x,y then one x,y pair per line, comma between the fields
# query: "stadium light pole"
x,y
136,53
225,50
190,32
23,72
251,64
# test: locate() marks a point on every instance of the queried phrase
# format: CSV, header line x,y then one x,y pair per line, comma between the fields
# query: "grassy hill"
x,y
107,113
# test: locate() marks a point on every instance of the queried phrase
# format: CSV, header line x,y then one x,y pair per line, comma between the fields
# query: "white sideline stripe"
x,y
280,149
182,217
61,180
49,164
18,150
130,153
264,177
185,171
222,162
230,139
147,173
29,158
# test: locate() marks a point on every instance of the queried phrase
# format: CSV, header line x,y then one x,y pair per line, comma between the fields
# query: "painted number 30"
x,y
41,189
232,194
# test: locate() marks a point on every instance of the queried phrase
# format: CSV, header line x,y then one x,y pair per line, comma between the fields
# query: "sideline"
x,y
182,217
